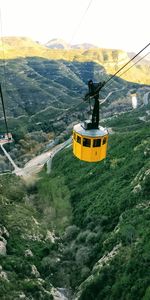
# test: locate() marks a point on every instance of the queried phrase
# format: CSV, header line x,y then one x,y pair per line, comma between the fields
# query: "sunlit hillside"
x,y
110,59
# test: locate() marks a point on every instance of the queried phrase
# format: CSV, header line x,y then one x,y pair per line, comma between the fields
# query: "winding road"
x,y
33,166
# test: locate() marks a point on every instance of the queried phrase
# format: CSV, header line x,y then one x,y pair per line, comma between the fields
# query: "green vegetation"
x,y
84,226
26,243
105,252
52,201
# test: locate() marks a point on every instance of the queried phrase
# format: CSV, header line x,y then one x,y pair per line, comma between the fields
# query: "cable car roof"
x,y
79,128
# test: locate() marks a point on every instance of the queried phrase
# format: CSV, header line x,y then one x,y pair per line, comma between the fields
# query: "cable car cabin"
x,y
89,139
90,145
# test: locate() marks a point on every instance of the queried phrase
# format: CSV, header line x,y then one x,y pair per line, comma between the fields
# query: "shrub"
x,y
81,238
71,232
91,238
82,255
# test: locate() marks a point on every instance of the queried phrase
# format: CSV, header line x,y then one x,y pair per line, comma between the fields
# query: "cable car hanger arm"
x,y
94,89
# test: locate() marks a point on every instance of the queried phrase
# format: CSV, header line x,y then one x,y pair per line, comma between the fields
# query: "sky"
x,y
115,24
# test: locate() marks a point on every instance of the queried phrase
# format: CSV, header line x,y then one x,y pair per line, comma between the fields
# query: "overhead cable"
x,y
3,106
82,18
134,64
106,82
4,69
120,70
127,63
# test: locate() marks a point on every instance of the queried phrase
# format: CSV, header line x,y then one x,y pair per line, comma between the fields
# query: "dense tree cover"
x,y
100,213
110,207
26,242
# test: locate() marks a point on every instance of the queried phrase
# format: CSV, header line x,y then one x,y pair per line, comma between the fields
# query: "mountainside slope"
x,y
61,44
24,240
38,92
40,85
100,213
110,59
106,250
44,95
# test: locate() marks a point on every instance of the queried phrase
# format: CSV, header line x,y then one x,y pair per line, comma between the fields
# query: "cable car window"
x,y
86,142
104,140
97,143
78,139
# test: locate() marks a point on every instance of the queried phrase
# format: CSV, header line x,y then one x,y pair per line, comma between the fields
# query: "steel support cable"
x,y
3,51
3,106
107,81
82,18
134,64
127,63
120,69
118,76
4,81
74,107
118,72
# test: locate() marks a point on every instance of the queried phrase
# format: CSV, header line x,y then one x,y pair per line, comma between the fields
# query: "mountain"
x,y
85,46
39,87
43,90
14,47
57,44
84,228
142,60
105,249
61,44
110,59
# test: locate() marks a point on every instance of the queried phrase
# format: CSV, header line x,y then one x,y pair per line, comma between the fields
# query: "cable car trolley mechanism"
x,y
89,138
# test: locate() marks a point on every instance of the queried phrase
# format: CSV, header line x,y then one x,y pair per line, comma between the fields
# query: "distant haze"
x,y
107,24
61,44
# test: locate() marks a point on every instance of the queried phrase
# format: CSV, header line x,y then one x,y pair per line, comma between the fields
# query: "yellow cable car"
x,y
89,145
89,139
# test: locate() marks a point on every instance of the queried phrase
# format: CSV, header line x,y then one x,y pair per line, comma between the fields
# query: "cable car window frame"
x,y
78,140
74,136
86,142
95,142
104,140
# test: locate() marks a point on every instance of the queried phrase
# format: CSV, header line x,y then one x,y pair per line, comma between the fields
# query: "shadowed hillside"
x,y
41,84
38,92
43,91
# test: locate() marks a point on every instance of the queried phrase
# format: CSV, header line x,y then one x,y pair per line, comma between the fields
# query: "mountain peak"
x,y
57,44
61,44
